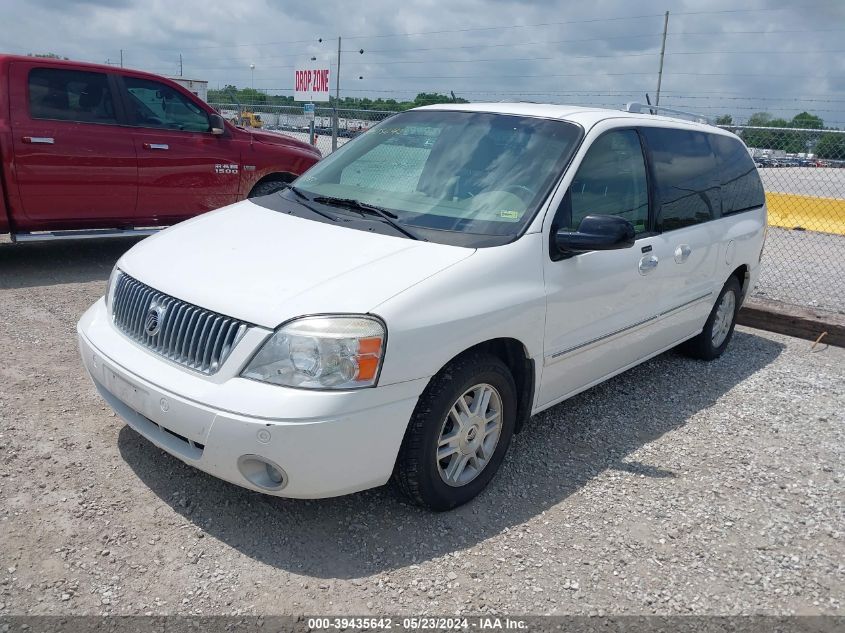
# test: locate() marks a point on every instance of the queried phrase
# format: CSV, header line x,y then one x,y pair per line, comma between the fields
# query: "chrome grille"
x,y
182,332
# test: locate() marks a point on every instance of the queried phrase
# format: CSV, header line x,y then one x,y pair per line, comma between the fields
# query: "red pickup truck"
x,y
89,150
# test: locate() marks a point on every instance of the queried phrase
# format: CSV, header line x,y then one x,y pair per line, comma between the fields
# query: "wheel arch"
x,y
743,276
276,176
515,355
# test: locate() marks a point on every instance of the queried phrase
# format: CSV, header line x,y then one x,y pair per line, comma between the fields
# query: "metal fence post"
x,y
336,123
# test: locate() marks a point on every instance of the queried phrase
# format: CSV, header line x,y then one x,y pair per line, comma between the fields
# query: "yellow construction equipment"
x,y
247,118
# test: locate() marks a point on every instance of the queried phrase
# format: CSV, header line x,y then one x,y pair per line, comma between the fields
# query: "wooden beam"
x,y
798,321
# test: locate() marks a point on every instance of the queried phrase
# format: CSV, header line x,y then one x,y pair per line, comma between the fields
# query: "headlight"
x,y
112,284
323,352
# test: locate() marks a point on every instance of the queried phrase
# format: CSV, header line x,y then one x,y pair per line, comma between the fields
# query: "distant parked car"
x,y
109,150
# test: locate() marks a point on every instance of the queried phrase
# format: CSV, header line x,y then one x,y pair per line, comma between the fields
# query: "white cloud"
x,y
587,56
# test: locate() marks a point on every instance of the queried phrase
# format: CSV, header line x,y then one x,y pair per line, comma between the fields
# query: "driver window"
x,y
154,104
611,180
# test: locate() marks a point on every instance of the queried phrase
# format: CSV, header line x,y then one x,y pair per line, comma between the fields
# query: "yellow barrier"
x,y
826,215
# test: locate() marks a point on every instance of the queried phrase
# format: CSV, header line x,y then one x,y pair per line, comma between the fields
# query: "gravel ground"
x,y
678,487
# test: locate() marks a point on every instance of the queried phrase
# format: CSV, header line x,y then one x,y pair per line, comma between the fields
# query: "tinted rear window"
x,y
741,186
687,177
70,95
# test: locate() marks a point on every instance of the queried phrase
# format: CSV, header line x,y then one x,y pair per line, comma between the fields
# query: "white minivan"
x,y
408,303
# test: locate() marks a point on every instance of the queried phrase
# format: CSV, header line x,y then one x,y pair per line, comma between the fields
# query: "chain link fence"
x,y
293,121
803,172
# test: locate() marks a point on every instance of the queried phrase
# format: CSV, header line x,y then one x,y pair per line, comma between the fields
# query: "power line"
x,y
494,28
615,74
506,45
745,108
504,27
561,23
798,52
524,59
582,93
593,39
525,43
219,46
770,32
791,7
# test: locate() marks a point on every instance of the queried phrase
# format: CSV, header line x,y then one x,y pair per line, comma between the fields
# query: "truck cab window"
x,y
153,104
70,95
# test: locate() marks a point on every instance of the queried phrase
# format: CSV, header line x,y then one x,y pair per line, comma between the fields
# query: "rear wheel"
x,y
719,328
458,434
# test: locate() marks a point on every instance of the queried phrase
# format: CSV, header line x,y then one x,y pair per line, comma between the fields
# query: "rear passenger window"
x,y
687,177
741,186
70,95
611,180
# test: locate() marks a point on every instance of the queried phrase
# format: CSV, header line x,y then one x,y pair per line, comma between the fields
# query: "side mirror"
x,y
596,233
216,123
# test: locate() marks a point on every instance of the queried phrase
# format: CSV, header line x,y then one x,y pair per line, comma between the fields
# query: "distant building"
x,y
198,86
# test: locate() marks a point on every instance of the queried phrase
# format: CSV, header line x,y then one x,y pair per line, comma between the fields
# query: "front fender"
x,y
497,293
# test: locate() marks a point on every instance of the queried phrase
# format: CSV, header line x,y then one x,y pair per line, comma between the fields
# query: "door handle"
x,y
647,264
682,253
39,140
156,146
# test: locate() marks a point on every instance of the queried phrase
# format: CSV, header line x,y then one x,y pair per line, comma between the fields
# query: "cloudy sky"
x,y
722,56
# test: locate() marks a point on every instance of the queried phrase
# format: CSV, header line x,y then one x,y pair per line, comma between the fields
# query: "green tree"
x,y
831,145
779,135
759,119
725,119
807,121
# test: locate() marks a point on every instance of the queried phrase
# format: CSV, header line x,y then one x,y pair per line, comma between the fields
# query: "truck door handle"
x,y
647,264
682,253
156,146
39,140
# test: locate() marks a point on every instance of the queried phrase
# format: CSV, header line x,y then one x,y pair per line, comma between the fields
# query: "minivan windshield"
x,y
451,177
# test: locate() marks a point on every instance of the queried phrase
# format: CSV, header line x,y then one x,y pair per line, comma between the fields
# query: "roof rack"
x,y
635,107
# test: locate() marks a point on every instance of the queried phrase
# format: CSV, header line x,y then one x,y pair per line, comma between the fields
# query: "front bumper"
x,y
327,443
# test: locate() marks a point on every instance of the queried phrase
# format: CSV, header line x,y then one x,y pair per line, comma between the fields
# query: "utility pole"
x,y
662,54
336,122
121,58
180,64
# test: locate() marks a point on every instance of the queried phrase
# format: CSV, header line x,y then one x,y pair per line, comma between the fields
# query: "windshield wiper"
x,y
289,186
302,196
371,209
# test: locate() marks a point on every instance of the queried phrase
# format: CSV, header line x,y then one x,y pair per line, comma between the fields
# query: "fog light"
x,y
274,474
261,472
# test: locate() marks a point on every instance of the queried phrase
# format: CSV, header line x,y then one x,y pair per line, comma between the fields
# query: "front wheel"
x,y
266,188
719,328
458,434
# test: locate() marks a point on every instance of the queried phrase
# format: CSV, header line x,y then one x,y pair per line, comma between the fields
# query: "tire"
x,y
266,188
707,345
419,475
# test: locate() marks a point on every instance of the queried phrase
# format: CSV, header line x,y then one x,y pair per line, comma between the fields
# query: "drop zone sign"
x,y
311,84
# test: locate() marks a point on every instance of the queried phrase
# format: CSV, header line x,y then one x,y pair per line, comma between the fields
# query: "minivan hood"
x,y
265,267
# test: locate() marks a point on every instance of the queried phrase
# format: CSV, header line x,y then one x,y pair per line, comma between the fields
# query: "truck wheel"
x,y
719,328
266,188
458,434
